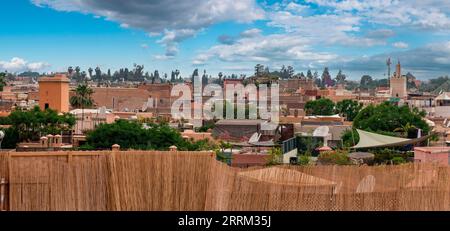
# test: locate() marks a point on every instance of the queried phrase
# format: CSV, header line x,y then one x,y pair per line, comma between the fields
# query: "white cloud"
x,y
251,33
325,29
424,14
297,8
429,61
173,17
270,48
19,65
162,57
171,39
400,45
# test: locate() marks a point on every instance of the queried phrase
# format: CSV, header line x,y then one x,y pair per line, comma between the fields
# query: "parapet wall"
x,y
152,180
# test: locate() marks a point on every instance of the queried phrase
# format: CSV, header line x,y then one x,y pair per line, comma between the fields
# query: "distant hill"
x,y
411,81
445,87
436,85
29,74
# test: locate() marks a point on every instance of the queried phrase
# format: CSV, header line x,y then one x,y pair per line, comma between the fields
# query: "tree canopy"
x,y
348,108
319,107
2,80
133,135
82,97
31,125
388,117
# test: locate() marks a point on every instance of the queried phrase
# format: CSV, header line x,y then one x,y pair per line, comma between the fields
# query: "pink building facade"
x,y
439,155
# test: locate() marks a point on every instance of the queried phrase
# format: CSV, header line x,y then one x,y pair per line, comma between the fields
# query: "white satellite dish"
x,y
254,138
321,131
102,111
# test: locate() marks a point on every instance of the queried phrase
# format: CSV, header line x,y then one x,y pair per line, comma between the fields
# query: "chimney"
x,y
173,148
115,147
398,71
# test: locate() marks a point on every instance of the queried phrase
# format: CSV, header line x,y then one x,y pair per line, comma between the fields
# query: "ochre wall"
x,y
54,91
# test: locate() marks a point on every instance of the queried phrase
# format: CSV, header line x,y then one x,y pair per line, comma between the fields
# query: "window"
x,y
46,106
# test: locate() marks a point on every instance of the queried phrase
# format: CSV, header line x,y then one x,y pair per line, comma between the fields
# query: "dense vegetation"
x,y
31,125
348,108
319,107
388,117
133,135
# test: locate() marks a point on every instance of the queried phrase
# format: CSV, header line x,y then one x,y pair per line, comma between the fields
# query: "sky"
x,y
227,36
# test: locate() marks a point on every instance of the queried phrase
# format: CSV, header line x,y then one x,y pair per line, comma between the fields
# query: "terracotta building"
x,y
54,93
398,84
438,155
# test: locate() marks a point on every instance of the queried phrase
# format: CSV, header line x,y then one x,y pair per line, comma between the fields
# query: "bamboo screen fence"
x,y
151,180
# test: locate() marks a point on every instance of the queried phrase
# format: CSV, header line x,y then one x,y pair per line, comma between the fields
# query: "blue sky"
x,y
230,36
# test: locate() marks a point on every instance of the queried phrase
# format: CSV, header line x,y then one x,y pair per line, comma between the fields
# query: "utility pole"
x,y
388,63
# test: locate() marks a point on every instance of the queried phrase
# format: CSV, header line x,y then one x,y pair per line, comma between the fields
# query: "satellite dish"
x,y
321,131
254,138
367,185
102,111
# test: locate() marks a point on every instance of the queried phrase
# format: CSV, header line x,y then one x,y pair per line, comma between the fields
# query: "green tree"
x,y
2,81
388,117
275,156
220,151
31,125
133,135
366,82
90,70
82,99
326,78
309,75
337,157
350,138
405,129
348,108
340,78
319,107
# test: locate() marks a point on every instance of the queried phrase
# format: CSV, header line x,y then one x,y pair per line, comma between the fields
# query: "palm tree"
x,y
220,153
83,99
404,129
2,81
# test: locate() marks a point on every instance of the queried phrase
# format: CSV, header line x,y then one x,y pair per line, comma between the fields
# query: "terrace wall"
x,y
152,180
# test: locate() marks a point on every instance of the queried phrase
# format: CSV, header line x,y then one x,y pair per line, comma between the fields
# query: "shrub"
x,y
398,160
304,160
338,157
275,156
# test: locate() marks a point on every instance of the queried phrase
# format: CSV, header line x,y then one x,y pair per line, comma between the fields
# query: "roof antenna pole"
x,y
388,63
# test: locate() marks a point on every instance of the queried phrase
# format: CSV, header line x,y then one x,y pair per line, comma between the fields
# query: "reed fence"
x,y
195,181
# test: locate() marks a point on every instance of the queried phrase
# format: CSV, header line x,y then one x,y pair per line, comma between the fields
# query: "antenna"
x,y
388,63
2,135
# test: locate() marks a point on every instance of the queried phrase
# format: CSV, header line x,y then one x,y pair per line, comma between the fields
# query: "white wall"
x,y
443,111
288,155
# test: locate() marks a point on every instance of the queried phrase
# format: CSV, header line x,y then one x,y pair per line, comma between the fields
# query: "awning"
x,y
374,140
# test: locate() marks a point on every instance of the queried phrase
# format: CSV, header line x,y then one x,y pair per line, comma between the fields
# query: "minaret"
x,y
398,83
398,70
388,63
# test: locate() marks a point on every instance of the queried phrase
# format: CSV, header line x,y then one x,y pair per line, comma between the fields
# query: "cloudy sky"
x,y
231,36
